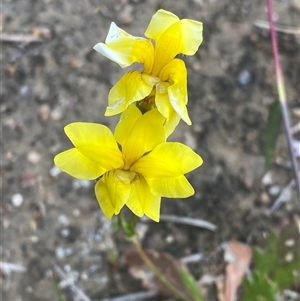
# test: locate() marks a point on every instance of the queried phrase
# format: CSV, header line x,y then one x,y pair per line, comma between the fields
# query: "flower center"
x,y
125,176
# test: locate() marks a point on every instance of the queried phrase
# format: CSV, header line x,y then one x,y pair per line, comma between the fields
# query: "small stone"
x,y
264,198
33,239
24,91
44,112
17,199
63,252
267,179
62,219
54,171
170,239
33,157
60,253
274,190
57,113
76,212
244,78
81,184
65,232
84,276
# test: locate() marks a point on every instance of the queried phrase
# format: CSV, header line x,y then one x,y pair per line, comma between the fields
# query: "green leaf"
x,y
265,260
279,260
190,284
58,291
287,272
273,128
259,288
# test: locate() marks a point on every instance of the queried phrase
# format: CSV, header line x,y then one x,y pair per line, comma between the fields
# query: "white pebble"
x,y
63,220
76,212
274,190
17,199
54,171
267,179
81,184
170,239
33,157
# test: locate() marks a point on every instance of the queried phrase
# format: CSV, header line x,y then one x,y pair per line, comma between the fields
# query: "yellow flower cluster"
x,y
135,166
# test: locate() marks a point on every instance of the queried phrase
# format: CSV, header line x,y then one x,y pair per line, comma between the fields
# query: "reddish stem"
x,y
282,94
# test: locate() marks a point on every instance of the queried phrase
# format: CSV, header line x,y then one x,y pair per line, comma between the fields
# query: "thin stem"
x,y
156,272
282,94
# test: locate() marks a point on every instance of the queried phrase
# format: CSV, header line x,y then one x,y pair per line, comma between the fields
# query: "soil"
x,y
48,217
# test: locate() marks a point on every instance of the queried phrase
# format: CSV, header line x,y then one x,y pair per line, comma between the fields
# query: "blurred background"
x,y
52,76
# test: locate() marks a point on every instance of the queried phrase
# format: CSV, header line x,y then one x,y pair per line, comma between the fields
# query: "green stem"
x,y
156,272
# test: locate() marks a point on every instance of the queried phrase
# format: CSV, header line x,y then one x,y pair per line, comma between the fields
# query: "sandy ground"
x,y
49,218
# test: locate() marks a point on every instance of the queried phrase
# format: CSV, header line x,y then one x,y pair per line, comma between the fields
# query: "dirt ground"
x,y
49,218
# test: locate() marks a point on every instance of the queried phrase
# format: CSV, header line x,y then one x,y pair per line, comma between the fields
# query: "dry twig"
x,y
278,28
19,38
189,221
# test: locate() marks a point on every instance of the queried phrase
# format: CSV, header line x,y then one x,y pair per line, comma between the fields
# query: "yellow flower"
x,y
162,72
137,167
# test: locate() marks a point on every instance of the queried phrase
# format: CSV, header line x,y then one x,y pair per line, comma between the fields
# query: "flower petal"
x,y
192,36
97,143
159,23
125,49
163,105
112,194
132,86
167,160
77,165
174,36
164,167
175,73
191,30
176,187
138,135
142,201
171,123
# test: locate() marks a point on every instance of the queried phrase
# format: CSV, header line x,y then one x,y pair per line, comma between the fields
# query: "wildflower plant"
x,y
135,166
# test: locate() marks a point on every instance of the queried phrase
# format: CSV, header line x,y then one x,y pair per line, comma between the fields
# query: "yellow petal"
x,y
97,143
130,88
174,36
159,23
163,105
176,187
127,121
192,36
168,162
167,47
171,123
138,134
142,201
75,164
112,194
175,73
125,49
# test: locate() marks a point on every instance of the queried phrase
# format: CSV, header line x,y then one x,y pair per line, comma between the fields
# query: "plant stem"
x,y
156,272
282,94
